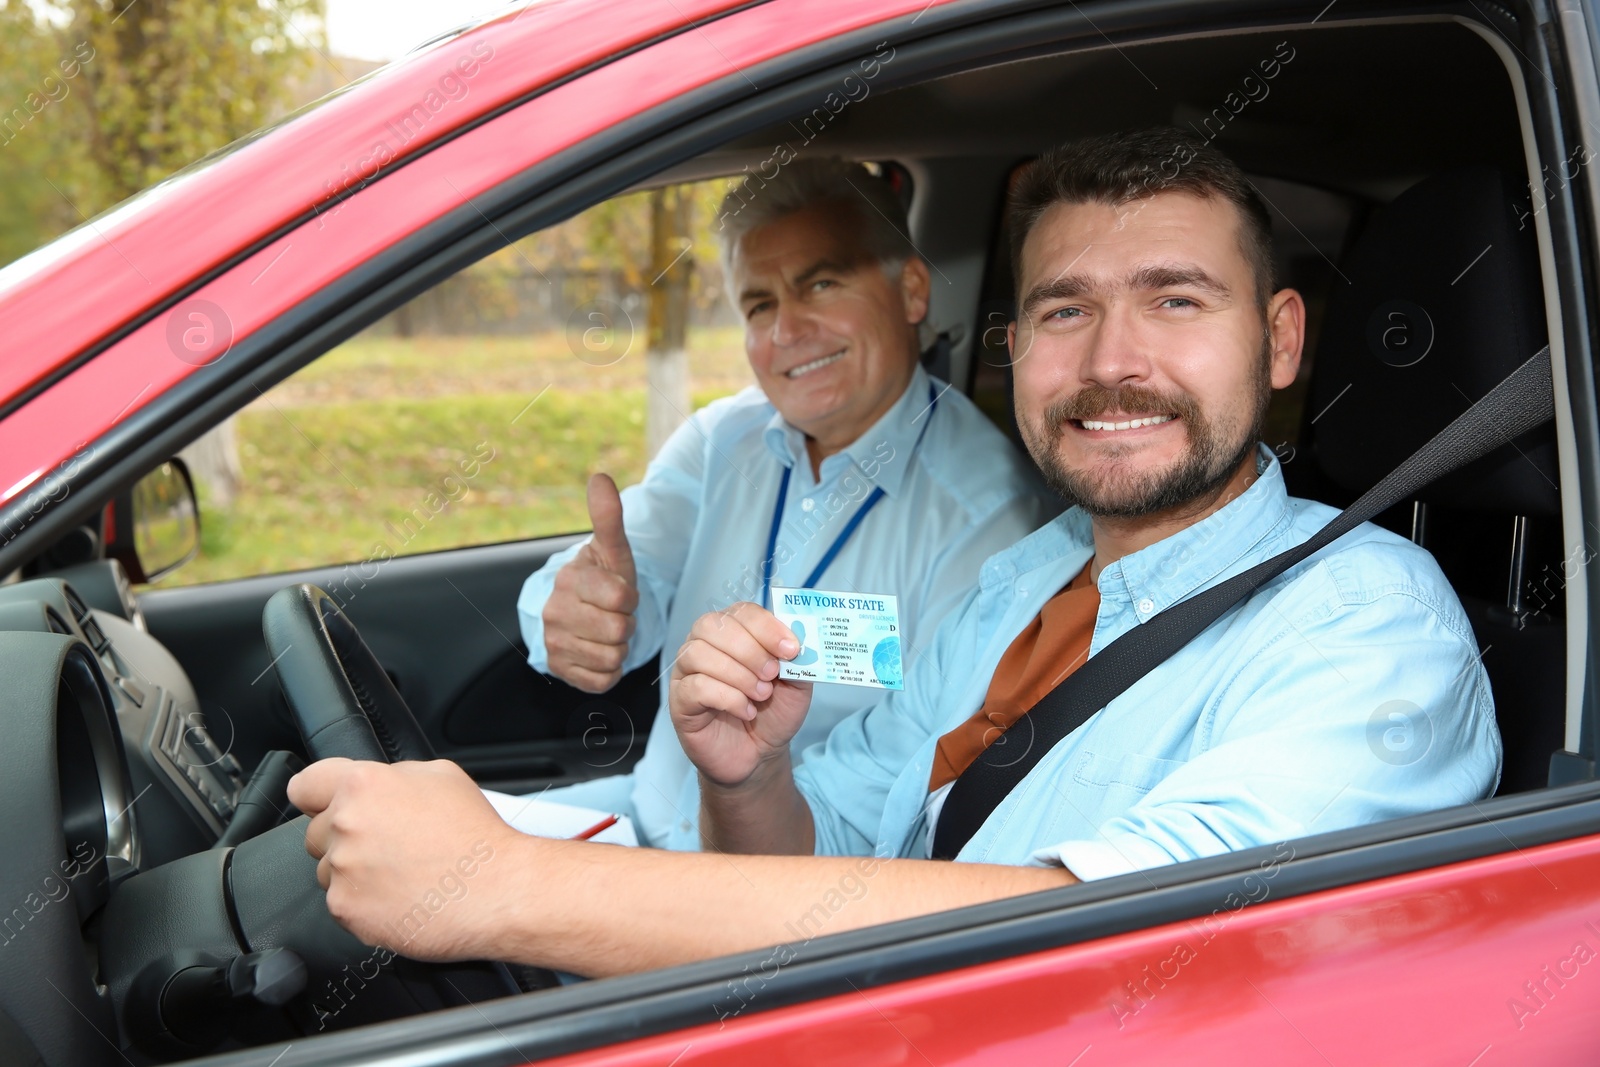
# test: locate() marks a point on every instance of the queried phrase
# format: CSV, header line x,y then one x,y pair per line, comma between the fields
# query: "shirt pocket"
x,y
1131,772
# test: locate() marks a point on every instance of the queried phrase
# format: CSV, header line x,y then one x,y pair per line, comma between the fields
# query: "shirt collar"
x,y
882,453
1173,568
1195,557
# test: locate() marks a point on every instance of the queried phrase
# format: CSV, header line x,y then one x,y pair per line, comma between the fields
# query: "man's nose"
x,y
1119,352
791,324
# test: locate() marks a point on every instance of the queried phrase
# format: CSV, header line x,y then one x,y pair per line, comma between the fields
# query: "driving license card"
x,y
850,638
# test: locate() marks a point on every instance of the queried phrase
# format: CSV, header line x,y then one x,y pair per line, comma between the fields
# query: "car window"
x,y
475,412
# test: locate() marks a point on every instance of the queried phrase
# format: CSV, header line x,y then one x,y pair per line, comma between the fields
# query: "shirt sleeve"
x,y
846,778
1371,711
659,515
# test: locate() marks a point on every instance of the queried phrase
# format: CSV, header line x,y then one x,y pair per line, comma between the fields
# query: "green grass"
x,y
391,446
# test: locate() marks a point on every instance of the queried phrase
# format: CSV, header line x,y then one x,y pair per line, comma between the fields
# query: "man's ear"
x,y
1286,328
914,285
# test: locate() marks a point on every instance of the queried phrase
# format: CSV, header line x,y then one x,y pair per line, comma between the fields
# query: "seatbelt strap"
x,y
1521,402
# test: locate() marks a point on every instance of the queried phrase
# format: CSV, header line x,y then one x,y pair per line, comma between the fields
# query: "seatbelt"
x,y
1518,404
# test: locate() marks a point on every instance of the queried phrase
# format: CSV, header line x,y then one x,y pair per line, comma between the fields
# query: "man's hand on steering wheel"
x,y
399,846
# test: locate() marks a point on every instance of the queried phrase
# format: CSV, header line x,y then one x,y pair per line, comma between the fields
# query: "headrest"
x,y
1443,301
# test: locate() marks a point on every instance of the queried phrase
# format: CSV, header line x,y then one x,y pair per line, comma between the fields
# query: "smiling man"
x,y
1149,337
846,467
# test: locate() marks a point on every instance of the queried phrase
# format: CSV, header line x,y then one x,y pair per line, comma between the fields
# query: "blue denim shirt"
x,y
1347,690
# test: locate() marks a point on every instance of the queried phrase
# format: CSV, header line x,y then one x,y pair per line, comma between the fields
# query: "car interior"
x,y
1404,210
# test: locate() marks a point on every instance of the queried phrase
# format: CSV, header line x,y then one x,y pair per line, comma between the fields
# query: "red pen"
x,y
608,821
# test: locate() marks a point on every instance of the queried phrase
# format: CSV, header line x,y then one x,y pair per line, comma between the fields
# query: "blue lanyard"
x,y
769,560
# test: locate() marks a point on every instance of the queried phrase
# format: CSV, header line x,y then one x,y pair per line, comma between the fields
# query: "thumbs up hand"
x,y
588,619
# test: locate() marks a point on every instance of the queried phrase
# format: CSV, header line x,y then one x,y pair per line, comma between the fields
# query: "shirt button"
x,y
807,504
1146,606
684,826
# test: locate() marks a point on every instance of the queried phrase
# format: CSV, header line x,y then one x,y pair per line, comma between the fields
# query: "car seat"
x,y
1438,299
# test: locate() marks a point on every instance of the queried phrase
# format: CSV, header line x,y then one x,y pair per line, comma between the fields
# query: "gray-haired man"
x,y
846,468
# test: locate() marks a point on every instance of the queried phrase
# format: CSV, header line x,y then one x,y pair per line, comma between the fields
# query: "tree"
x,y
176,79
41,131
102,99
666,354
647,244
166,83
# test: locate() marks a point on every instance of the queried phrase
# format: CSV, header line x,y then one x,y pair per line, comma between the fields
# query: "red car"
x,y
153,909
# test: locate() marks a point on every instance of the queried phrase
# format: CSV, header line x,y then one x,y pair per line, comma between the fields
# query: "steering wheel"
x,y
231,946
341,697
344,704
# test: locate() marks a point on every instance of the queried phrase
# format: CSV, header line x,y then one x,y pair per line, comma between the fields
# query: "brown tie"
x,y
1051,647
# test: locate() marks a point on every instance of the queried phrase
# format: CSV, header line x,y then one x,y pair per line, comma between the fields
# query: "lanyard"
x,y
769,561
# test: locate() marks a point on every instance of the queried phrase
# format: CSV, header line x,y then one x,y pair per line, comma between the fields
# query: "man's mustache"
x,y
1094,401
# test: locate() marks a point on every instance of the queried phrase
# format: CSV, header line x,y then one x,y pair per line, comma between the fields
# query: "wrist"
x,y
765,813
521,907
771,769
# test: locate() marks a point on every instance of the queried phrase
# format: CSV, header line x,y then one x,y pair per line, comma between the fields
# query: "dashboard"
x,y
181,786
109,770
151,885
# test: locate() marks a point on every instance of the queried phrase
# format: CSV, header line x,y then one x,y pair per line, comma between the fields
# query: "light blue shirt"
x,y
955,492
1346,691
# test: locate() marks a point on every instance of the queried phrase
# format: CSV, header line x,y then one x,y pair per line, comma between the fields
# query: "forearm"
x,y
766,815
602,910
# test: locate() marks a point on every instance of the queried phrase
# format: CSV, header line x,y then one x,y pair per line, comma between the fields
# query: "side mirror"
x,y
156,524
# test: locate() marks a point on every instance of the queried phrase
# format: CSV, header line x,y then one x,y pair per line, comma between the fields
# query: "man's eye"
x,y
823,283
755,309
1066,313
1177,302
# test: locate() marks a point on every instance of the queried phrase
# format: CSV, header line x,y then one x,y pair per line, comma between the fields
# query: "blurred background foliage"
x,y
99,100
102,98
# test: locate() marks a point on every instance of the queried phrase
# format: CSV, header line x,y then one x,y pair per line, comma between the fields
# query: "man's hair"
x,y
1119,169
883,233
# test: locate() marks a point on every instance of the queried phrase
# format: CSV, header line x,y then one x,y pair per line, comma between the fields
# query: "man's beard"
x,y
1205,466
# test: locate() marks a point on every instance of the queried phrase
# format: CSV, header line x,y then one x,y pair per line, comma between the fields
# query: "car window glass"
x,y
473,413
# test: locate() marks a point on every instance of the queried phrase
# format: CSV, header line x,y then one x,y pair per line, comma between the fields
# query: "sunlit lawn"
x,y
361,454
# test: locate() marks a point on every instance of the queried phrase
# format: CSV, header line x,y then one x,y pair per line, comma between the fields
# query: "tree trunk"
x,y
213,460
405,320
666,358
